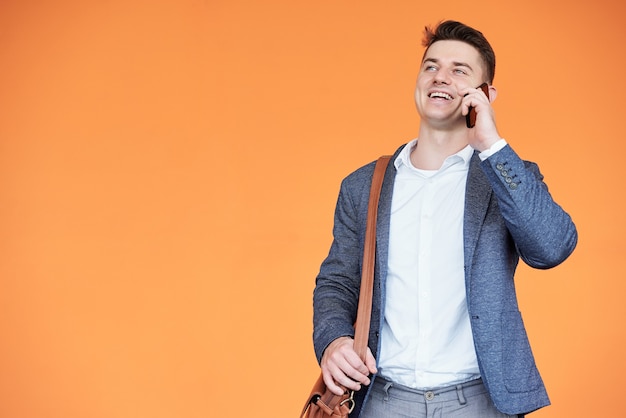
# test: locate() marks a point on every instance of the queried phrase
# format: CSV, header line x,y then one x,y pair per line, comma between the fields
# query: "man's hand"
x,y
485,133
341,365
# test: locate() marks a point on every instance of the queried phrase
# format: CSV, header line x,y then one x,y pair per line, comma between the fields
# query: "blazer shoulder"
x,y
362,176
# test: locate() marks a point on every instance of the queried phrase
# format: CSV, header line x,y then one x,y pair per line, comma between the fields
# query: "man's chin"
x,y
444,122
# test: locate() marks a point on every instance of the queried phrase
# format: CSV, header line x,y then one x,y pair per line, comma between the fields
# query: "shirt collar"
x,y
404,158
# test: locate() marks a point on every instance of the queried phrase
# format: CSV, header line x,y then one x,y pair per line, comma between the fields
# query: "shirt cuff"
x,y
492,149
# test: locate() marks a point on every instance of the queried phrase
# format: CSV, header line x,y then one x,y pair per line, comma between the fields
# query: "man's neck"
x,y
434,146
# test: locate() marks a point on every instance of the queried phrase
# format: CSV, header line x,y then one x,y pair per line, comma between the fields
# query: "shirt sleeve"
x,y
492,149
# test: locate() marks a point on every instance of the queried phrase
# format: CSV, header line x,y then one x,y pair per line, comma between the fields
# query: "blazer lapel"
x,y
384,216
477,196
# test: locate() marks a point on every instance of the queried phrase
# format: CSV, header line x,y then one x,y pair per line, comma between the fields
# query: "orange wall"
x,y
168,172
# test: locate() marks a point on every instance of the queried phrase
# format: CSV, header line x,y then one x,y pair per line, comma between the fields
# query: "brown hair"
x,y
451,30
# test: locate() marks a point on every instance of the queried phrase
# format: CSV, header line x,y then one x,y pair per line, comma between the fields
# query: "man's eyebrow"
x,y
455,64
462,64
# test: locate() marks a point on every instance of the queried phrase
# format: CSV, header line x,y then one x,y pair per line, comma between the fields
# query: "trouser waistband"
x,y
472,395
447,393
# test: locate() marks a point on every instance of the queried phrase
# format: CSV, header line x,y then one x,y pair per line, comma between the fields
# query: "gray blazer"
x,y
509,214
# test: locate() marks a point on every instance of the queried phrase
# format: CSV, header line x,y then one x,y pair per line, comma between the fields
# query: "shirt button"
x,y
429,396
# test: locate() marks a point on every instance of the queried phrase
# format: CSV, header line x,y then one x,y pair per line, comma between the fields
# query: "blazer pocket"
x,y
519,370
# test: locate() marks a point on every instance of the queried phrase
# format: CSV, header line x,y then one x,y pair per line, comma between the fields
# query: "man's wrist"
x,y
495,147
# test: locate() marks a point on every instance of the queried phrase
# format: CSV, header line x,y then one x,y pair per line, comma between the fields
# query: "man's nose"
x,y
442,77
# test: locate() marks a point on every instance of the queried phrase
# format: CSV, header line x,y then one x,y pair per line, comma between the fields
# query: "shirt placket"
x,y
425,275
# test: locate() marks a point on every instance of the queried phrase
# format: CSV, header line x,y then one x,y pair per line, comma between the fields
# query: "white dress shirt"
x,y
426,336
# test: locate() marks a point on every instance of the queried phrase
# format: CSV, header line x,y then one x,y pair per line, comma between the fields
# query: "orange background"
x,y
168,174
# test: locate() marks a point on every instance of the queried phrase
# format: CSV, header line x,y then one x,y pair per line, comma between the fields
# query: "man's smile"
x,y
440,94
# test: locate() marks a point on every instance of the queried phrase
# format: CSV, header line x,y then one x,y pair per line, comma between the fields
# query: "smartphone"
x,y
470,118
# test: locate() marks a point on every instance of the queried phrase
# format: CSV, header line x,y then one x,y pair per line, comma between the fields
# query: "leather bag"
x,y
322,403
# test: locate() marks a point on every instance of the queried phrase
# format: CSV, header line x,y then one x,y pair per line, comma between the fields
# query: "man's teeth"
x,y
440,94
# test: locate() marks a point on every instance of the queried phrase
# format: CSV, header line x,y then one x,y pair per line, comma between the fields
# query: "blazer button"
x,y
513,186
500,166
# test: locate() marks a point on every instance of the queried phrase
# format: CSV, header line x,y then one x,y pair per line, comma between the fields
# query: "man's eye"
x,y
430,68
460,71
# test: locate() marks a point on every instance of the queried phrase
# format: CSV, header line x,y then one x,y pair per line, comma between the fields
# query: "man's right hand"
x,y
341,366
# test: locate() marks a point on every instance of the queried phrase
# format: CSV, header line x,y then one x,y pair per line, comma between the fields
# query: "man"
x,y
458,208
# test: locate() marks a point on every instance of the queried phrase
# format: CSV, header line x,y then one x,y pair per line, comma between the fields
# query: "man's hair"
x,y
451,30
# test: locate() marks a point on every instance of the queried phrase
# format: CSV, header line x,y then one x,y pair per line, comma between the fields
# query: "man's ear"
x,y
493,93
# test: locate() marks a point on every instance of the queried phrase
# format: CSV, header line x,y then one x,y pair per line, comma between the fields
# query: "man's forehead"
x,y
448,49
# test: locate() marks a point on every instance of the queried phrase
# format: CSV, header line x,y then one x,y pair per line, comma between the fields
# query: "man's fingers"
x,y
338,382
353,366
344,373
370,362
341,366
331,384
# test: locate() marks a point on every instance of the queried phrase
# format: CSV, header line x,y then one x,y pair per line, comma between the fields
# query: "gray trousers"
x,y
468,400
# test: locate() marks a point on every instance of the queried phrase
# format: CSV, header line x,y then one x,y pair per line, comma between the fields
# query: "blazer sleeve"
x,y
335,298
543,232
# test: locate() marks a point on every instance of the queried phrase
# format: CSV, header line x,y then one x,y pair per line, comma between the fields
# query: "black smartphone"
x,y
470,118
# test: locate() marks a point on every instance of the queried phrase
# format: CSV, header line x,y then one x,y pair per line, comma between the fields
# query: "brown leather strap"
x,y
364,312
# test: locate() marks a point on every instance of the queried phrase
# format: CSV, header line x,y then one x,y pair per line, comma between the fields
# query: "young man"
x,y
457,210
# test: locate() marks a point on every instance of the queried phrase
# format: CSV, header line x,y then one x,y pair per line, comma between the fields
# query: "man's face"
x,y
448,68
